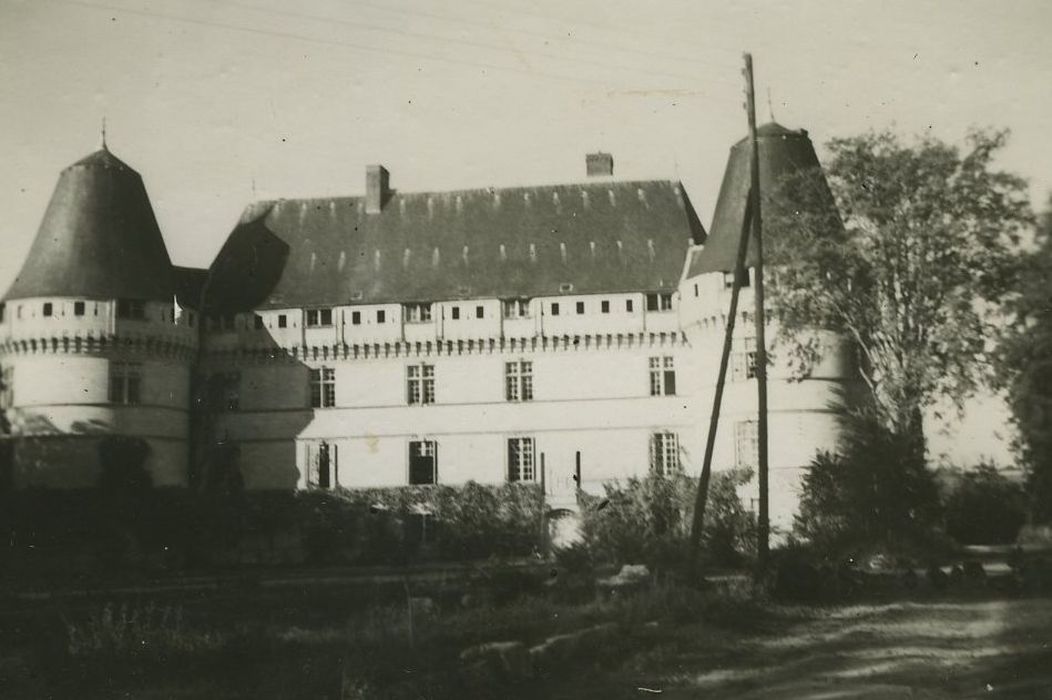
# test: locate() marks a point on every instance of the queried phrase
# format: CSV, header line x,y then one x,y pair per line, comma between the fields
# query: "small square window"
x,y
78,308
555,309
479,311
456,313
283,321
381,316
605,306
49,309
356,318
580,307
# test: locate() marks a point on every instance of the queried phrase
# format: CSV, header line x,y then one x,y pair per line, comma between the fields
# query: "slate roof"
x,y
98,238
782,152
514,242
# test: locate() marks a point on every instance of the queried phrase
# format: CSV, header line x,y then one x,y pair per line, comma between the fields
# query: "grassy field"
x,y
336,641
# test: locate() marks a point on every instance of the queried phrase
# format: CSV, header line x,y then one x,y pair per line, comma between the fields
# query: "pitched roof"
x,y
782,152
98,238
528,241
189,285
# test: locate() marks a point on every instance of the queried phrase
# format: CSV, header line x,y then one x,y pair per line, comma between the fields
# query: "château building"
x,y
566,333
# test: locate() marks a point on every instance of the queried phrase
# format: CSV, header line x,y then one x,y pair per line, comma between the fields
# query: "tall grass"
x,y
141,631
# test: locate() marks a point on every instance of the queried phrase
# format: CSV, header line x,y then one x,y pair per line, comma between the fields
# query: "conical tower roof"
x,y
98,238
783,152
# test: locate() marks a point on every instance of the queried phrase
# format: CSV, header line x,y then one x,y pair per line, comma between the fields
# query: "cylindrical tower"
x,y
804,412
93,341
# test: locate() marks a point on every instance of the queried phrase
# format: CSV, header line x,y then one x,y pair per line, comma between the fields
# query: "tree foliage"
x,y
876,492
983,506
924,236
1024,362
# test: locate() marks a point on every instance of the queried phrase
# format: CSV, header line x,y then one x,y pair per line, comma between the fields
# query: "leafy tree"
x,y
876,492
1025,368
922,242
985,507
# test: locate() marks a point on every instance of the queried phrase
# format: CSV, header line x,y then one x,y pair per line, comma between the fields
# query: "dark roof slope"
x,y
594,237
189,285
782,152
98,238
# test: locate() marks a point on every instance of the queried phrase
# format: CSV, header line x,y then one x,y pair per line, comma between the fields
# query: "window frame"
x,y
420,384
318,317
518,381
417,312
515,308
664,453
131,309
424,444
662,370
520,470
322,383
124,387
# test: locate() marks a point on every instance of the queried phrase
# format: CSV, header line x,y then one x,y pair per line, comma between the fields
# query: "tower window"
x,y
746,444
283,321
520,459
356,318
555,308
78,308
7,387
628,305
456,313
49,308
420,384
381,316
518,381
258,321
323,387
604,306
480,311
580,307
662,376
125,383
664,453
131,309
743,363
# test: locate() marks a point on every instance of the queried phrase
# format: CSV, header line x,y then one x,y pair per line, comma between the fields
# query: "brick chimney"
x,y
599,164
377,191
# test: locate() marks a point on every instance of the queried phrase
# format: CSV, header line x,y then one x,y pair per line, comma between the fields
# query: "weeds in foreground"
x,y
149,630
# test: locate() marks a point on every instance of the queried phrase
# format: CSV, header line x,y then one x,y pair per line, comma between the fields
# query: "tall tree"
x,y
925,243
1025,368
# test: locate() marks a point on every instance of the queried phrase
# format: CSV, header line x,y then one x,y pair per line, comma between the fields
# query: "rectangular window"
x,y
417,313
3,307
257,321
662,376
746,444
356,318
604,306
628,305
420,384
323,468
743,365
520,459
580,307
516,308
7,387
423,466
125,383
381,316
518,381
78,308
555,308
664,453
49,309
323,387
728,280
479,311
283,321
318,318
659,301
456,313
131,308
224,391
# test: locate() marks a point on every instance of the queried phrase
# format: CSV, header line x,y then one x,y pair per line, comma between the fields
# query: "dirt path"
x,y
947,649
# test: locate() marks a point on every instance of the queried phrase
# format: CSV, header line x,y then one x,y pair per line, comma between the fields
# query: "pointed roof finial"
x,y
103,144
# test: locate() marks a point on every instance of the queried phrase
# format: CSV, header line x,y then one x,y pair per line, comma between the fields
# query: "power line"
x,y
332,42
462,42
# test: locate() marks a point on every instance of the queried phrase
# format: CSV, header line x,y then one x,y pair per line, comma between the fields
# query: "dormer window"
x,y
417,313
131,309
516,308
319,318
660,301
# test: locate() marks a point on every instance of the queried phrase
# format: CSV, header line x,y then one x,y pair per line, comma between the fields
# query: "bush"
x,y
648,521
985,507
877,493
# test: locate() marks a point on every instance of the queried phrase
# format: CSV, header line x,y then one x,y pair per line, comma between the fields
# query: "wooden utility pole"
x,y
764,524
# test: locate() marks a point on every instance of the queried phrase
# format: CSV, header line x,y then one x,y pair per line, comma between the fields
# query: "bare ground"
x,y
960,648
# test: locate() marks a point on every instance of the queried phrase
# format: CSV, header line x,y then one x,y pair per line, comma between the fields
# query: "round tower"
x,y
803,415
93,342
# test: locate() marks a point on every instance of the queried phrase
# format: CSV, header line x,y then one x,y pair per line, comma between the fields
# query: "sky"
x,y
220,102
